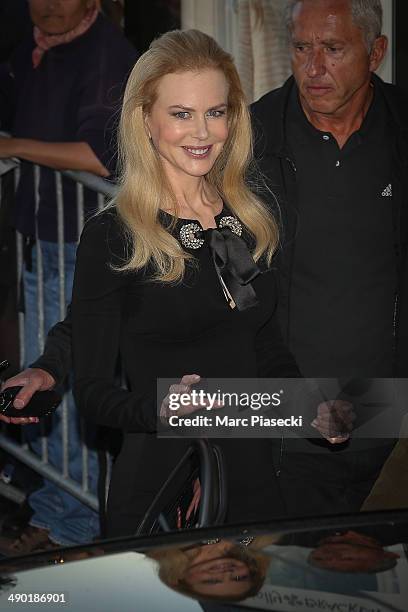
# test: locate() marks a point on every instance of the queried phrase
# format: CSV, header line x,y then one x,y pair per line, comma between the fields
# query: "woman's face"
x,y
223,576
224,569
58,16
188,122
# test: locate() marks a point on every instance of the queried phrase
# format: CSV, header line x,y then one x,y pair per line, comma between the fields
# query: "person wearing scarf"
x,y
68,78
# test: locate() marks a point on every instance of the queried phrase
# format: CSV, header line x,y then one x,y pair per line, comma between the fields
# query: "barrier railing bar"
x,y
20,263
80,207
49,472
104,189
62,309
40,296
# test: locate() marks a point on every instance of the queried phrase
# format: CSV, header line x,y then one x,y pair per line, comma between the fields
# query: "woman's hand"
x,y
183,408
193,507
31,380
335,420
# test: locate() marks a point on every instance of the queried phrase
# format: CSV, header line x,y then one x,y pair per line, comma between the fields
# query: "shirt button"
x,y
326,137
337,164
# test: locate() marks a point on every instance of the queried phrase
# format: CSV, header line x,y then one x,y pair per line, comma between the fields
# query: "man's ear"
x,y
378,52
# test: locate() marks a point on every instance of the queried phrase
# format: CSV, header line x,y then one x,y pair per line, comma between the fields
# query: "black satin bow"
x,y
235,265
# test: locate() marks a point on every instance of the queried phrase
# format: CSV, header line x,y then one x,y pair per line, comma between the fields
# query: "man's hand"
x,y
32,380
58,155
7,148
334,420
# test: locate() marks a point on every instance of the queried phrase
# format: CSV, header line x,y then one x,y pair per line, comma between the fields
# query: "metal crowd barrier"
x,y
22,452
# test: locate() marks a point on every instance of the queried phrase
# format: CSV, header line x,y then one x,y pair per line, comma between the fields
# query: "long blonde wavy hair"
x,y
143,186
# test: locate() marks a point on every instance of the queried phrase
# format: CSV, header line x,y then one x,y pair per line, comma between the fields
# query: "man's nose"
x,y
316,63
51,5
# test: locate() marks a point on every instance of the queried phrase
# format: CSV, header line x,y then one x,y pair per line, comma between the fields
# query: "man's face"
x,y
58,16
348,557
330,59
350,552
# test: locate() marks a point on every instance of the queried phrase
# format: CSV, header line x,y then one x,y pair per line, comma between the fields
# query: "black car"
x,y
357,563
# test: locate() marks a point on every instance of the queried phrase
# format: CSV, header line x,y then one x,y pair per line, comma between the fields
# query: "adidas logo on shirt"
x,y
387,193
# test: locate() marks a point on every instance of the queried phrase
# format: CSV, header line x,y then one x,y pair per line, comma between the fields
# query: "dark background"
x,y
143,21
401,43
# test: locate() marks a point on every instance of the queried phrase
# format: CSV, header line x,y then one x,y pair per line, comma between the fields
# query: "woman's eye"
x,y
182,115
216,113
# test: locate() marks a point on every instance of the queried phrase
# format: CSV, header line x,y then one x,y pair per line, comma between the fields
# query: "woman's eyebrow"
x,y
188,108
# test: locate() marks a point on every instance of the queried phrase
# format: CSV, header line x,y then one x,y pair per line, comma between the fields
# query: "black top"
x,y
72,96
274,160
161,330
166,331
343,250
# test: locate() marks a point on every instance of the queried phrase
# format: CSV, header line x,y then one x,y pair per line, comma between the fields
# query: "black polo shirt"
x,y
343,284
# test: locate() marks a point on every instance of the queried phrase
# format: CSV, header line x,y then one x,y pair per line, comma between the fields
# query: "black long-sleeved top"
x,y
165,331
159,330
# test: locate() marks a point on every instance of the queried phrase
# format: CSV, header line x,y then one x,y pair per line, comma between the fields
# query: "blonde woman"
x,y
169,277
218,569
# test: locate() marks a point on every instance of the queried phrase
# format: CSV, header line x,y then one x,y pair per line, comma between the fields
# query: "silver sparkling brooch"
x,y
233,224
190,233
189,236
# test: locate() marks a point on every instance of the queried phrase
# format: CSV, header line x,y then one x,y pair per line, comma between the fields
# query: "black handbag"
x,y
167,512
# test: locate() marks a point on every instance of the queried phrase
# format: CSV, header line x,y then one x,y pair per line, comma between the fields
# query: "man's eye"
x,y
300,48
333,49
181,115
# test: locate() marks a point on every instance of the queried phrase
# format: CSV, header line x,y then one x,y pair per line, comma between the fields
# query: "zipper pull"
x,y
292,163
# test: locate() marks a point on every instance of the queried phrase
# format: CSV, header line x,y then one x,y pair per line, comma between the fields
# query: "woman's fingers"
x,y
190,379
182,399
173,404
19,420
192,509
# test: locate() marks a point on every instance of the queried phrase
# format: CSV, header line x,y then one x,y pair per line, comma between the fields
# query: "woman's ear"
x,y
148,132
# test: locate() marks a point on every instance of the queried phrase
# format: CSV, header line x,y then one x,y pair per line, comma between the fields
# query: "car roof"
x,y
124,573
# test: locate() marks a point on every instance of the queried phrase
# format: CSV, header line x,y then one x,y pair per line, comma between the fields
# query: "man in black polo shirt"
x,y
333,143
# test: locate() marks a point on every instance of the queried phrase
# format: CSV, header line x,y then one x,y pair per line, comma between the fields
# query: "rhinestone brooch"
x,y
189,236
233,224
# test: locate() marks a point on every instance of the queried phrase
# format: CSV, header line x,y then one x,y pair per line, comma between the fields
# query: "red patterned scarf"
x,y
46,41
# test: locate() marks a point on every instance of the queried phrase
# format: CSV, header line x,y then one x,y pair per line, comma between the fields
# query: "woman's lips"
x,y
198,152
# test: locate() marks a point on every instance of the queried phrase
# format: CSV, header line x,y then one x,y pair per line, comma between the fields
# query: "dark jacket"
x,y
275,161
81,106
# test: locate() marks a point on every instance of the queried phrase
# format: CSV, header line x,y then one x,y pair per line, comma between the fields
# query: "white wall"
x,y
386,70
218,18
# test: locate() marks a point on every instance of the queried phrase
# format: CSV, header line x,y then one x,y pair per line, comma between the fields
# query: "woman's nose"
x,y
200,129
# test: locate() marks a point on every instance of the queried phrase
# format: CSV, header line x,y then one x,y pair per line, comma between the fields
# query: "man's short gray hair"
x,y
367,15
